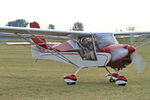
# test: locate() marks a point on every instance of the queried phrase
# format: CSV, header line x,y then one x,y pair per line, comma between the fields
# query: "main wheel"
x,y
70,79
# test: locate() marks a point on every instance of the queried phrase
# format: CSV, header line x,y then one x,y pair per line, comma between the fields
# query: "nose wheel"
x,y
117,79
121,81
112,77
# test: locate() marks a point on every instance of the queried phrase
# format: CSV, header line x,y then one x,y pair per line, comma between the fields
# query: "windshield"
x,y
105,39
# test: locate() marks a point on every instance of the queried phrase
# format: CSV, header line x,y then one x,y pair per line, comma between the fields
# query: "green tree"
x,y
18,23
51,26
78,26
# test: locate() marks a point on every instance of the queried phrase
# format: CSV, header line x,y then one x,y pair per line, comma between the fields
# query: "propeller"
x,y
138,62
136,58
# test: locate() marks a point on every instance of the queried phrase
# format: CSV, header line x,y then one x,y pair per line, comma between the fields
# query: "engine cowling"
x,y
121,55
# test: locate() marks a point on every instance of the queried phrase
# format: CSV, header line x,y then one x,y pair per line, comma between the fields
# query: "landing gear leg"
x,y
72,78
112,77
116,78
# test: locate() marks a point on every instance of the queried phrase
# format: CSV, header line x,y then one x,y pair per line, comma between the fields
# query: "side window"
x,y
87,51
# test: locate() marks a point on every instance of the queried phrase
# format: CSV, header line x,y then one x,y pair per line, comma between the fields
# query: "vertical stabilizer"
x,y
38,40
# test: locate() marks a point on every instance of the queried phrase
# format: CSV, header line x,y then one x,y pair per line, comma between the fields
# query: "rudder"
x,y
38,40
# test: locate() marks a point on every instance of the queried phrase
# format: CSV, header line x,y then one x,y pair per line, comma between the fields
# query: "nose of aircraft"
x,y
131,49
122,52
121,56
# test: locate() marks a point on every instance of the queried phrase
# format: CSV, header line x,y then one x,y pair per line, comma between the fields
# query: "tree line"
x,y
77,26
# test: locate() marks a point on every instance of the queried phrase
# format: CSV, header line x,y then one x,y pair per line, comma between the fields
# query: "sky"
x,y
96,15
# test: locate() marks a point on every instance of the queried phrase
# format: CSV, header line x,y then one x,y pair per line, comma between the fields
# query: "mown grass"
x,y
23,79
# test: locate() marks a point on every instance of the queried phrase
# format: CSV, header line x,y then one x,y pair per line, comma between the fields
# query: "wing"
x,y
46,33
132,32
135,38
67,35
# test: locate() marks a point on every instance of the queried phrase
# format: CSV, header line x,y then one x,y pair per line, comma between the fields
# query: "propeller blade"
x,y
138,61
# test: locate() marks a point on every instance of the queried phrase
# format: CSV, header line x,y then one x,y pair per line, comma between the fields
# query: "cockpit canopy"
x,y
102,40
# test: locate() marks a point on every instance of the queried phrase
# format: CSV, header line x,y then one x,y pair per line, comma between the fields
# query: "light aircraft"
x,y
82,49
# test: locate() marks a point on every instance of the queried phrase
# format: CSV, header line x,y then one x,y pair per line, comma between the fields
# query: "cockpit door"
x,y
87,48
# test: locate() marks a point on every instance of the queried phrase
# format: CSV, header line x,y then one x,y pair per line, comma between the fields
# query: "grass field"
x,y
23,79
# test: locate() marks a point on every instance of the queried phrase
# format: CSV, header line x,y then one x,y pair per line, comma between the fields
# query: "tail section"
x,y
34,25
38,39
